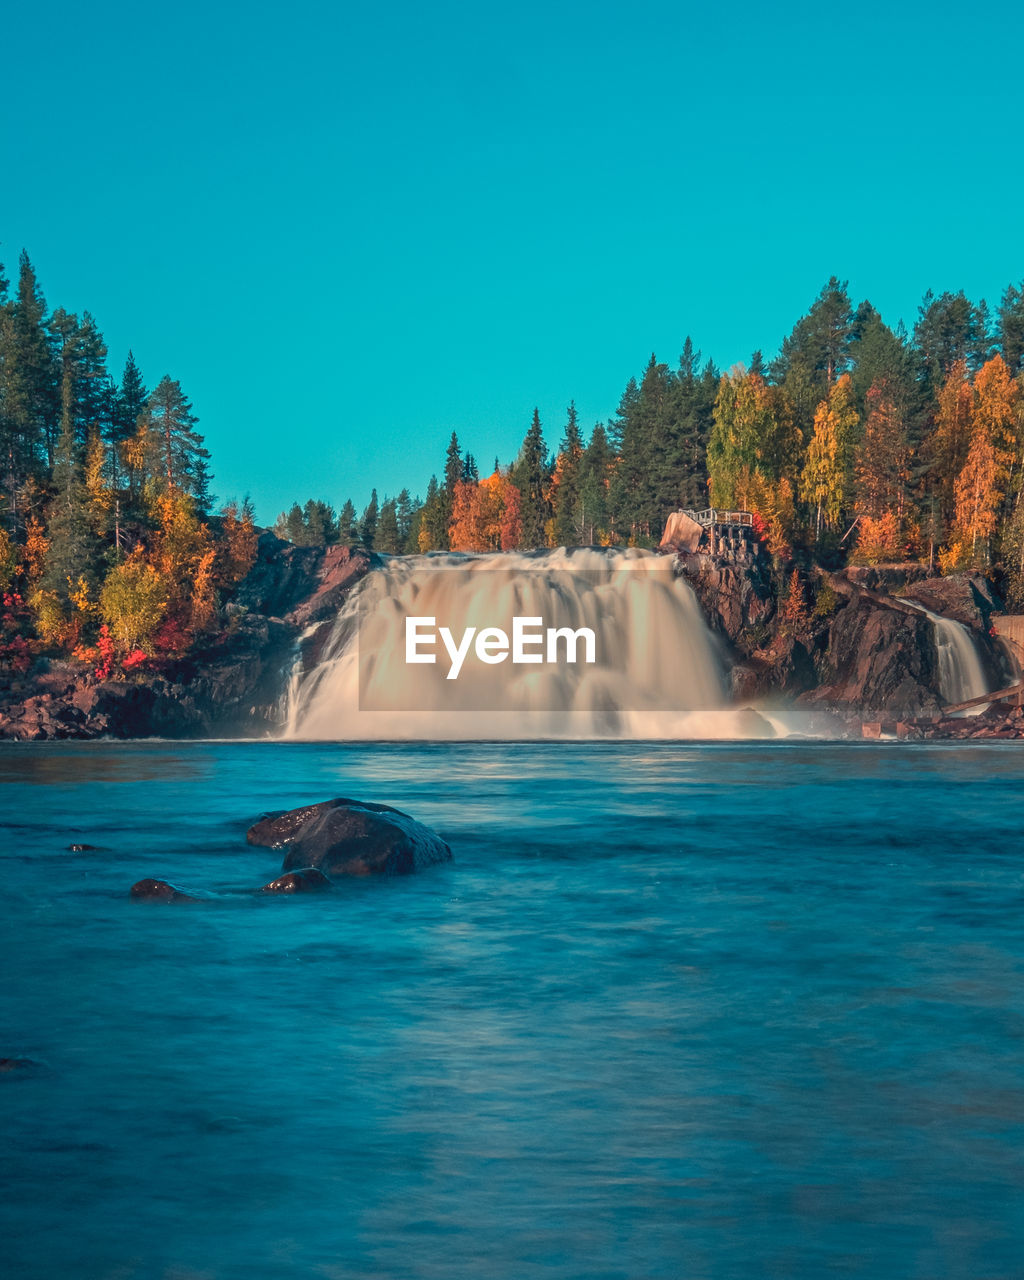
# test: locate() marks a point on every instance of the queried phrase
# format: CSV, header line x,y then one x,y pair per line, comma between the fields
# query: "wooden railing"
x,y
712,516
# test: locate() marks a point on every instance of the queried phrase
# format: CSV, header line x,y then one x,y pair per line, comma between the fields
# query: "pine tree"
x,y
290,526
175,457
882,461
595,474
29,388
452,465
406,513
320,522
1010,328
817,351
72,553
129,404
683,471
878,355
368,522
642,427
433,531
348,525
949,328
388,538
567,492
530,476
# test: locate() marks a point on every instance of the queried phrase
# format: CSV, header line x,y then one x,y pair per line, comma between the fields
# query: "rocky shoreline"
x,y
862,655
231,687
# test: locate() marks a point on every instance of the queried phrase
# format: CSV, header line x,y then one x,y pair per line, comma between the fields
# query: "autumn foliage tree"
x,y
133,602
827,477
991,467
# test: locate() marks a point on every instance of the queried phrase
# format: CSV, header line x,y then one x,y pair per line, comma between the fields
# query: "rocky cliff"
x,y
861,649
231,686
864,650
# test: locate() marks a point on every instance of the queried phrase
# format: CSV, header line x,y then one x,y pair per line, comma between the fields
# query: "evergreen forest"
x,y
855,442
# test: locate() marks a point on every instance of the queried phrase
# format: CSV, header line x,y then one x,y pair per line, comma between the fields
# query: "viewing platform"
x,y
728,533
711,516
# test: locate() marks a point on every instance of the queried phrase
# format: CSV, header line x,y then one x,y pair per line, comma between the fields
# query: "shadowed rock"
x,y
280,827
150,890
23,1066
346,837
306,880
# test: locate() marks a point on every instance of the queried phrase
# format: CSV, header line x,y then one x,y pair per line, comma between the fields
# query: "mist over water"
x,y
658,672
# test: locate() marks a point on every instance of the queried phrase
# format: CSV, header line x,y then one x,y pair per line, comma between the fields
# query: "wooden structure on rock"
x,y
730,534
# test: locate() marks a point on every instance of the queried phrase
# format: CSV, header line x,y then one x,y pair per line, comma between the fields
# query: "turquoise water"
x,y
674,1011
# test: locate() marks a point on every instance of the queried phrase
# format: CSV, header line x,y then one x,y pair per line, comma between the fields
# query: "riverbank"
x,y
879,652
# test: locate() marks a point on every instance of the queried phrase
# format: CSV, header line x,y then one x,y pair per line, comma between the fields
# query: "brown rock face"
x,y
880,660
681,533
346,837
737,600
965,598
150,890
307,880
339,571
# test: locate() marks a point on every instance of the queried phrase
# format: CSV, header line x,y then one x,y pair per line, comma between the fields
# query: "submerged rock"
x,y
346,837
23,1066
306,880
150,890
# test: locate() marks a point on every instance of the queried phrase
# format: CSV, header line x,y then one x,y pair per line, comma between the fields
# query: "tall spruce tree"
x,y
1010,328
816,353
31,393
530,476
684,474
595,472
567,496
348,524
368,522
72,553
388,538
406,511
176,458
949,328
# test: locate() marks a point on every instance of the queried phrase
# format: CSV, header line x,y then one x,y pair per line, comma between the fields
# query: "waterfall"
x,y
961,676
659,675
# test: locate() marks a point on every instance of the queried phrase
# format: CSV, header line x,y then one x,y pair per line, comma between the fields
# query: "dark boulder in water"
x,y
282,826
346,837
150,890
305,880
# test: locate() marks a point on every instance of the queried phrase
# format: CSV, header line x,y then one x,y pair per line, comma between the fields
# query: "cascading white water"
x,y
961,675
665,681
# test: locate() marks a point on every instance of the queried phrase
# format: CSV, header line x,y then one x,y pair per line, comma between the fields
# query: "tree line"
x,y
108,546
857,440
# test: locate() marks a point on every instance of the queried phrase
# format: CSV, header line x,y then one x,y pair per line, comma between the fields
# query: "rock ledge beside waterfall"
x,y
232,687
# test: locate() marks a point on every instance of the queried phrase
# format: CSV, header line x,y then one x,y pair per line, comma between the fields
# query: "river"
x,y
701,1011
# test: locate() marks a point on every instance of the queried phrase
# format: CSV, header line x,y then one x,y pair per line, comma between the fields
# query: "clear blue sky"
x,y
350,230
